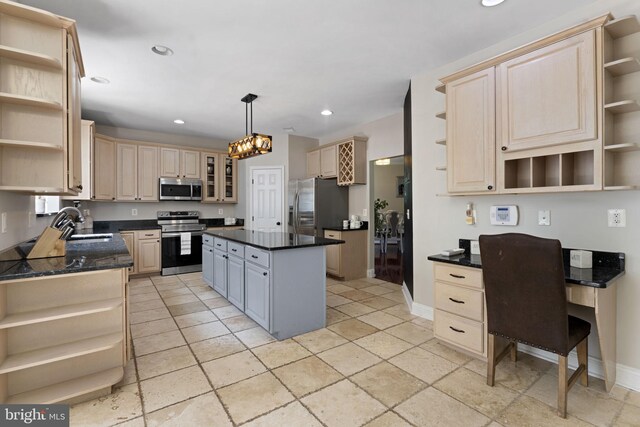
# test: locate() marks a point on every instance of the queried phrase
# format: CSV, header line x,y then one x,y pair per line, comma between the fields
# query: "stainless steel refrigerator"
x,y
316,203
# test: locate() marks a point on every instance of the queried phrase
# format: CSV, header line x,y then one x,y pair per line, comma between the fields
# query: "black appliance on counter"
x,y
181,237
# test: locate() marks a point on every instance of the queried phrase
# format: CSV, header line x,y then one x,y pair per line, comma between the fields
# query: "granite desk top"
x,y
105,254
607,266
272,241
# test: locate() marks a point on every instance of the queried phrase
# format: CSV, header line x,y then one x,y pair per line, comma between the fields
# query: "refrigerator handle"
x,y
296,220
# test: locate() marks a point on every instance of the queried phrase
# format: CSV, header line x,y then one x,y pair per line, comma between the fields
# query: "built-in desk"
x,y
460,310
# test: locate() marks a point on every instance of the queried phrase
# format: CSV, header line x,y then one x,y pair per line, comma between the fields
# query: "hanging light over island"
x,y
253,144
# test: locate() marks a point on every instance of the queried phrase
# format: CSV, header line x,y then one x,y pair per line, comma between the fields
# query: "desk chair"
x,y
527,302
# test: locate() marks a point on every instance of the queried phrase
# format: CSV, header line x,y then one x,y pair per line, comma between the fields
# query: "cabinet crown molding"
x,y
530,47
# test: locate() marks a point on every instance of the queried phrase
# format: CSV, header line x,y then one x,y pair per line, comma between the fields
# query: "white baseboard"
x,y
626,376
417,309
371,272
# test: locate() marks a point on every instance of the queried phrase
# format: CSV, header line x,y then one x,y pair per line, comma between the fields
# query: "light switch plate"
x,y
364,212
134,212
220,211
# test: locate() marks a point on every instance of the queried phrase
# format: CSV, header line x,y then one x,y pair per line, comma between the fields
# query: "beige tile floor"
x,y
200,361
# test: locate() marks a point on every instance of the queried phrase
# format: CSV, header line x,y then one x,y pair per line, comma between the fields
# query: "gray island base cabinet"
x,y
282,290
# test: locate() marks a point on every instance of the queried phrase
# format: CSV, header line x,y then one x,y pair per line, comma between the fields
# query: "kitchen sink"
x,y
91,238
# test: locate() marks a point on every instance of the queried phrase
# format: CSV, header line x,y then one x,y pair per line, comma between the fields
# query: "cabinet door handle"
x,y
234,250
331,235
460,331
457,301
79,186
264,274
490,187
254,257
504,148
457,276
149,235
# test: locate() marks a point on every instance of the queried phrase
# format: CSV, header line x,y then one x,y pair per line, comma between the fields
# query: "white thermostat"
x,y
504,215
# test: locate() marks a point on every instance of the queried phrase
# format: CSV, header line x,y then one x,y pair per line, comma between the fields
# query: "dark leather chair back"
x,y
525,290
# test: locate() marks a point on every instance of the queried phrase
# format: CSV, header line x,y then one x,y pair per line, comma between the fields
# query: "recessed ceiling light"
x,y
162,50
178,121
326,112
101,80
490,3
289,129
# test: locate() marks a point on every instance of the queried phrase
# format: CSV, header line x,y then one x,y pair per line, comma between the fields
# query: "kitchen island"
x,y
63,322
277,279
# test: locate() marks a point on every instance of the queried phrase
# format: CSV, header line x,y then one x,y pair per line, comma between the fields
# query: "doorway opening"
x,y
388,218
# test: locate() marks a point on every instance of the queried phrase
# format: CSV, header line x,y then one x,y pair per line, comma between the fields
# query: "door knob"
x,y
278,223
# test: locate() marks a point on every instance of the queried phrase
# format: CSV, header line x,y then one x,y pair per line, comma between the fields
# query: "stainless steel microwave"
x,y
180,189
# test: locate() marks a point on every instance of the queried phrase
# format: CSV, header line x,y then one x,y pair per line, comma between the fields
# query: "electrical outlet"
x,y
4,222
617,217
544,218
134,212
220,211
364,212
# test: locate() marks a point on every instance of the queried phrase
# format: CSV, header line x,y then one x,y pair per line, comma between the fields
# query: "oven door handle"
x,y
193,233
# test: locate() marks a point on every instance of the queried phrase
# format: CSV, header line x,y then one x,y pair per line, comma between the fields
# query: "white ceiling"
x,y
354,57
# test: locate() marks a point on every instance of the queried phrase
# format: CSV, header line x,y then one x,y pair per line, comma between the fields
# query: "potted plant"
x,y
378,205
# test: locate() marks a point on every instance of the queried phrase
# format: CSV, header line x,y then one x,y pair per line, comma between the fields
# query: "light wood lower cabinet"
x,y
349,260
148,256
62,337
460,315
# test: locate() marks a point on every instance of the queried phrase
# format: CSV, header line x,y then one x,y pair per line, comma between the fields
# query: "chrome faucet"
x,y
71,209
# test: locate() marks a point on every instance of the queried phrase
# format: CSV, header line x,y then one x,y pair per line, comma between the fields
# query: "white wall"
x,y
299,146
578,220
19,208
386,139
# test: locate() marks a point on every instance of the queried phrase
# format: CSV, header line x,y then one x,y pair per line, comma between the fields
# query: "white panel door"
x,y
266,200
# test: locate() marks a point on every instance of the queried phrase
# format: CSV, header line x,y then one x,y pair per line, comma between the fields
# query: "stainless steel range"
x,y
181,241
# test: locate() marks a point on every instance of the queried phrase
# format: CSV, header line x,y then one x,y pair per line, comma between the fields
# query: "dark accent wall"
x,y
407,256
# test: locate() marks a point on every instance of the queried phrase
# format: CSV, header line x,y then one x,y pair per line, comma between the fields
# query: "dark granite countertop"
x,y
81,256
363,228
273,241
607,266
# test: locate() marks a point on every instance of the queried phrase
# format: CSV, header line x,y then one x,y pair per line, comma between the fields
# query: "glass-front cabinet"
x,y
219,176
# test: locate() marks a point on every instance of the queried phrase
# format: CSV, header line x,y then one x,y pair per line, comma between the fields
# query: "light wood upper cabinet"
x,y
104,168
210,176
126,172
352,161
190,164
313,164
40,136
175,163
471,115
169,162
229,179
220,178
329,161
148,173
548,96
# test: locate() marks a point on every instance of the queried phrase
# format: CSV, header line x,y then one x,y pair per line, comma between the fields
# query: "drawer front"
x,y
459,275
581,295
461,301
459,331
147,234
256,256
220,244
331,234
236,249
207,240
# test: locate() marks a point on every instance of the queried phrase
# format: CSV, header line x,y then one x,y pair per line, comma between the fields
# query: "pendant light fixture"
x,y
253,144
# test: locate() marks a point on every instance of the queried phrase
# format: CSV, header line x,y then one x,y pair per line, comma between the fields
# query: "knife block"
x,y
48,245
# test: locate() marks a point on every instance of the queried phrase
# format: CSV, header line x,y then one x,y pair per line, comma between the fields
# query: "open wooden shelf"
x,y
56,313
69,389
630,146
620,187
621,107
30,144
29,359
29,101
441,88
441,168
442,115
623,66
32,57
441,142
622,27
